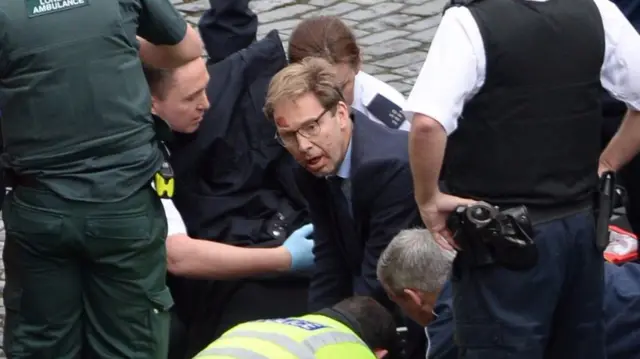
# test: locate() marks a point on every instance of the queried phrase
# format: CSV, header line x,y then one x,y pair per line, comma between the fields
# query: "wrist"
x,y
283,259
426,198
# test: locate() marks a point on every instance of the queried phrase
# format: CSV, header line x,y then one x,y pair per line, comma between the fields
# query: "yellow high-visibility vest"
x,y
308,337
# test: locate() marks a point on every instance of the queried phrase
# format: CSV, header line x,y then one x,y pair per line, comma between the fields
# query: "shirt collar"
x,y
344,171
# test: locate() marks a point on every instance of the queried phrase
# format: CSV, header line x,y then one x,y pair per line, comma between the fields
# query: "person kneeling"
x,y
355,328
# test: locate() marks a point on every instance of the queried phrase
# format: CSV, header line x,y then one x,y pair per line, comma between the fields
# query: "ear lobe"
x,y
154,105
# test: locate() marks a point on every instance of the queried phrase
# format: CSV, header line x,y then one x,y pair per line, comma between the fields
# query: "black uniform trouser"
x,y
551,311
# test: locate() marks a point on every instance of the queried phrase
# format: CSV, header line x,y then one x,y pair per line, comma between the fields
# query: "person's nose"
x,y
304,145
205,102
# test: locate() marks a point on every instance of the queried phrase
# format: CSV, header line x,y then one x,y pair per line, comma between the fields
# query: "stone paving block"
x,y
279,25
194,7
349,23
388,77
367,2
261,6
427,8
322,2
360,33
373,11
376,25
285,12
398,20
424,23
391,47
382,36
372,69
337,9
402,60
424,35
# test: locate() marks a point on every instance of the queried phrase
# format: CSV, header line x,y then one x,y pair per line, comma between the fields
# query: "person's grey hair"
x,y
414,260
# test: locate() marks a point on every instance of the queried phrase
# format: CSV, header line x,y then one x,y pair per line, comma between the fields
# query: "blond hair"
x,y
311,75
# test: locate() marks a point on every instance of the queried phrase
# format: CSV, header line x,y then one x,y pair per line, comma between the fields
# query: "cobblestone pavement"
x,y
394,36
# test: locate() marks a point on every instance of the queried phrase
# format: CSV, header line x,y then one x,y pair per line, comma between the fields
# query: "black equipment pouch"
x,y
492,236
164,180
607,196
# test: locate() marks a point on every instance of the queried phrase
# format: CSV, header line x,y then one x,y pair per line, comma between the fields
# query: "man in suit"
x,y
355,177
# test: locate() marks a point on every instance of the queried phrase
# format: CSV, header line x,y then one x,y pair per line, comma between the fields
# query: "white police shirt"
x,y
455,68
371,95
175,224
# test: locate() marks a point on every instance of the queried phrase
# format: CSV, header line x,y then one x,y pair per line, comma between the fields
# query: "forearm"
x,y
212,260
624,145
169,57
427,143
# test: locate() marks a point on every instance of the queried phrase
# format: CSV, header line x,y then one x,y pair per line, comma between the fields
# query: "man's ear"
x,y
414,296
154,105
380,353
343,113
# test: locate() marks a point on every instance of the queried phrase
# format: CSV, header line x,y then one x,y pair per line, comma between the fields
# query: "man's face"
x,y
317,138
346,76
183,100
416,305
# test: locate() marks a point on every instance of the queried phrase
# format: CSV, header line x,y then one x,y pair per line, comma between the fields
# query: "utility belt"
x,y
163,180
489,235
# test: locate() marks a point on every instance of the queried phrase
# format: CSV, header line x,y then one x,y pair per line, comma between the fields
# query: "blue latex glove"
x,y
300,247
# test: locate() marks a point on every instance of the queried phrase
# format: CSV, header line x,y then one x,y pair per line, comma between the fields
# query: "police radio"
x,y
164,181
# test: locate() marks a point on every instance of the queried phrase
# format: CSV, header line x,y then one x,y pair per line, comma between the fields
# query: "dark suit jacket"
x,y
346,250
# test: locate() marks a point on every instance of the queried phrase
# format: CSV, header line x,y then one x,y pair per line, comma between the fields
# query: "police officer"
x,y
85,228
330,38
516,104
355,328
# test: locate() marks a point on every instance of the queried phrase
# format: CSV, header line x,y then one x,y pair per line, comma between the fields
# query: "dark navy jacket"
x,y
383,204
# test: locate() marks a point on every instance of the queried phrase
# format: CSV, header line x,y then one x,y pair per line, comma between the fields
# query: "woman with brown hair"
x,y
328,37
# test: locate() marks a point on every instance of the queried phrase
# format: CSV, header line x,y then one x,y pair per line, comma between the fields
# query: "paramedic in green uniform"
x,y
85,252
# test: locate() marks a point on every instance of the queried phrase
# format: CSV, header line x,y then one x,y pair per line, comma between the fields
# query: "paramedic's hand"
x,y
434,214
300,246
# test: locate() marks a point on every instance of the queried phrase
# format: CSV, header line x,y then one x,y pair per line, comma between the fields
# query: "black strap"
x,y
453,3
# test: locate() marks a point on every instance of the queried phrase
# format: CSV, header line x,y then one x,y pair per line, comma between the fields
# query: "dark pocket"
x,y
159,321
480,340
19,218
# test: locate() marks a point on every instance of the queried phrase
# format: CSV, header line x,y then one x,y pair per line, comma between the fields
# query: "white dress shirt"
x,y
455,68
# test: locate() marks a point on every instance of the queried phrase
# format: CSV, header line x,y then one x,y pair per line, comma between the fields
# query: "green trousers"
x,y
85,280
